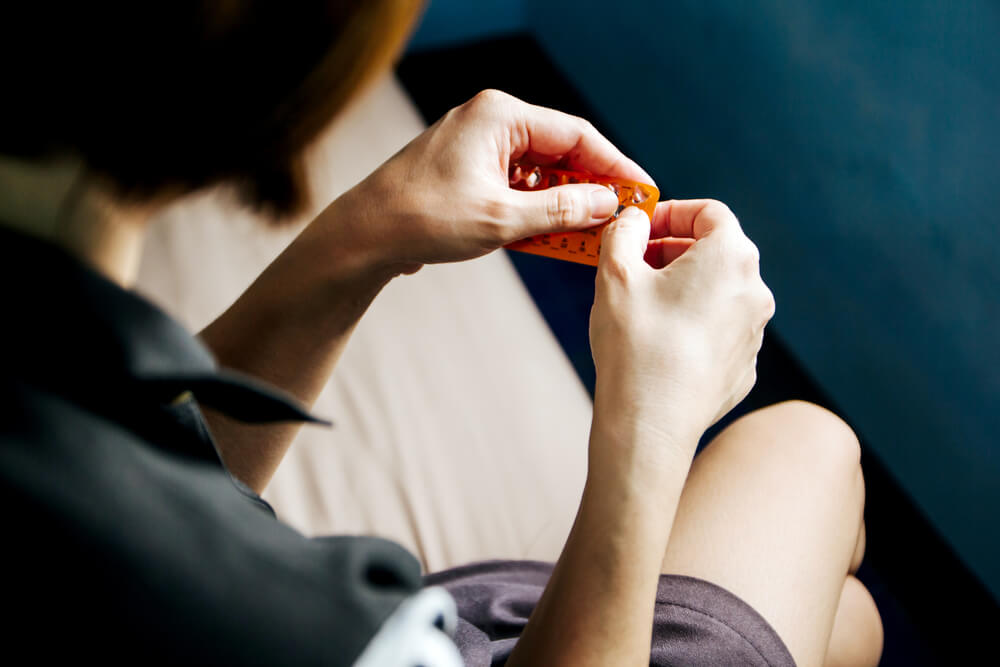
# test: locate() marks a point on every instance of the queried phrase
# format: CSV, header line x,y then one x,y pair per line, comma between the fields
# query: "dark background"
x,y
857,143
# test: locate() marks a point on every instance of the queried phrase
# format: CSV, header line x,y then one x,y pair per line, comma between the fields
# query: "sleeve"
x,y
117,550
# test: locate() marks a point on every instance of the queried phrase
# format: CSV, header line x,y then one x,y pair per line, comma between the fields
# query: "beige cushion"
x,y
461,428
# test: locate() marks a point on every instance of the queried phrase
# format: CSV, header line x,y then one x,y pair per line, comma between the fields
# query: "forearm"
x,y
290,328
598,606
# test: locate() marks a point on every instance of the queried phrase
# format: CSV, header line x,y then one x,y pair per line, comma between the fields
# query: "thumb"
x,y
625,239
563,208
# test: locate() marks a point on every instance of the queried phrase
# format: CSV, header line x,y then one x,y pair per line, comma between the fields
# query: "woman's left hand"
x,y
445,197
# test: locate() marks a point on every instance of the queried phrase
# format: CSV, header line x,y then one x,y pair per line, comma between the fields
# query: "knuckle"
x,y
716,216
561,208
716,209
617,271
494,225
749,256
612,267
769,303
722,218
487,98
586,127
494,209
452,115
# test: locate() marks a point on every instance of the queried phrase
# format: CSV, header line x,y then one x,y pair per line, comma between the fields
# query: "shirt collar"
x,y
71,330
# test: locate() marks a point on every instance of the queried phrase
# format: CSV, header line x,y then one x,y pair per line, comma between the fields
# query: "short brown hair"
x,y
177,95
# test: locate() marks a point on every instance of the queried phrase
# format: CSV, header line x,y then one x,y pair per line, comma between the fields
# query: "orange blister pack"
x,y
582,247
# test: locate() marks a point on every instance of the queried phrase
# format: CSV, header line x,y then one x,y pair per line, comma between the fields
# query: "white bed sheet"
x,y
461,428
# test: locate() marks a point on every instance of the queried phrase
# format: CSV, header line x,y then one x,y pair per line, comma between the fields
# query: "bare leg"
x,y
772,511
857,630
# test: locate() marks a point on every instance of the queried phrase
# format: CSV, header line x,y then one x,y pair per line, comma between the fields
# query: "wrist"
x,y
640,461
640,411
323,281
354,233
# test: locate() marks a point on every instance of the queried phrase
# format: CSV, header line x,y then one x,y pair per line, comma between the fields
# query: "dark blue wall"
x,y
858,143
451,21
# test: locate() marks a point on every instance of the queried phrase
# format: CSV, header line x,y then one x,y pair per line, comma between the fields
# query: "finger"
x,y
576,142
660,252
660,226
692,218
555,161
624,243
559,209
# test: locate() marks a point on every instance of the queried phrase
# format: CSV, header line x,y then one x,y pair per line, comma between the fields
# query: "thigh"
x,y
772,511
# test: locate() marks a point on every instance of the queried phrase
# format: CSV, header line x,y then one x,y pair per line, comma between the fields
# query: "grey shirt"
x,y
125,537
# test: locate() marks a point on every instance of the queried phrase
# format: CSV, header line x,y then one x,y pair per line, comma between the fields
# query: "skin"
x,y
782,488
675,331
675,348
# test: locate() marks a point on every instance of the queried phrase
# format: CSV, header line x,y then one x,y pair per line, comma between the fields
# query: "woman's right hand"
x,y
675,331
676,326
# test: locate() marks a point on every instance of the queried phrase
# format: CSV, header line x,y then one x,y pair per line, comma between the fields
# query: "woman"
x,y
131,538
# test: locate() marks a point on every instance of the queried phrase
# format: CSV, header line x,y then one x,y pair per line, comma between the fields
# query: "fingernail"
x,y
630,211
603,203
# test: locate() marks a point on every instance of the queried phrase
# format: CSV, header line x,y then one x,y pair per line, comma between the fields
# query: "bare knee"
x,y
788,481
815,441
804,441
812,436
807,426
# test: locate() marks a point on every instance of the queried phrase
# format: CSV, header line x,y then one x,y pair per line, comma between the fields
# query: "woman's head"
x,y
163,98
